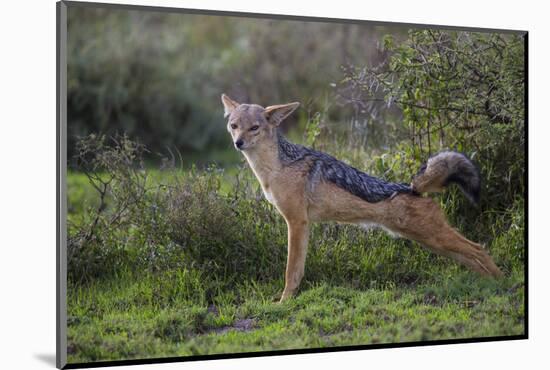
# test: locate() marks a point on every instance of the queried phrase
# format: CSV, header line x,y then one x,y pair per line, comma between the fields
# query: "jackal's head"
x,y
252,126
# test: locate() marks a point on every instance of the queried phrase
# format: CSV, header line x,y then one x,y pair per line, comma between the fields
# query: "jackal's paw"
x,y
286,295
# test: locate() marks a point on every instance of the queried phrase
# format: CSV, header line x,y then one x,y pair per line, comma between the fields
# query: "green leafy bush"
x,y
161,220
454,90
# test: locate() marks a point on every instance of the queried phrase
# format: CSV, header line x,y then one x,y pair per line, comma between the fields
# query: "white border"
x,y
27,185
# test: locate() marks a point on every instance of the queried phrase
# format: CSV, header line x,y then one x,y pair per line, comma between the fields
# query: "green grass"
x,y
205,277
170,314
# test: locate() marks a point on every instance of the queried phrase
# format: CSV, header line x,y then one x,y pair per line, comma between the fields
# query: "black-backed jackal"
x,y
309,186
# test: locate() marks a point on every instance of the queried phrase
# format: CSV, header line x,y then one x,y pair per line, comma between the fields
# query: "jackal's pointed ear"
x,y
229,105
275,114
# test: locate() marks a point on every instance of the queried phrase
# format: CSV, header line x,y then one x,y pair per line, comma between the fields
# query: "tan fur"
x,y
438,168
432,180
410,216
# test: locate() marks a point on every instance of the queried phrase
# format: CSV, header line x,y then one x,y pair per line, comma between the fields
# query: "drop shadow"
x,y
47,358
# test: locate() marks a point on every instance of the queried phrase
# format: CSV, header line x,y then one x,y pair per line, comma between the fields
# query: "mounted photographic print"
x,y
235,184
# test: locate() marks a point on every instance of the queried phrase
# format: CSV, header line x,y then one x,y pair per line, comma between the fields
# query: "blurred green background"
x,y
158,76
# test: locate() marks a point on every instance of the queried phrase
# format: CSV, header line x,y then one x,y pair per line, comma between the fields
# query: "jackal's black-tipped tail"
x,y
446,168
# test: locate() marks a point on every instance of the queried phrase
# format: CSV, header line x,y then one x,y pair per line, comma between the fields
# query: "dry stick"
x,y
429,139
99,211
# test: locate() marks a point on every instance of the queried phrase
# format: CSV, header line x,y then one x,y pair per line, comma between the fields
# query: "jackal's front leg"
x,y
298,234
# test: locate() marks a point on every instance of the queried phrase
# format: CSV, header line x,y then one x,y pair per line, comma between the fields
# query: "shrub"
x,y
455,90
149,221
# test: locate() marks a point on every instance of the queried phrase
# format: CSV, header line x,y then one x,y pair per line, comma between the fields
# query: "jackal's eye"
x,y
254,128
233,126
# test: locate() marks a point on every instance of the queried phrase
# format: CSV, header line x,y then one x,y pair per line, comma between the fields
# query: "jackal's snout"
x,y
239,143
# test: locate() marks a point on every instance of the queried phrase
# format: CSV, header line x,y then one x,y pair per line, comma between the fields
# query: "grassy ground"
x,y
130,318
212,288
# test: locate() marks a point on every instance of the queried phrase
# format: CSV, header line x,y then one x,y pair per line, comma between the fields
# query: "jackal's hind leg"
x,y
422,220
448,242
